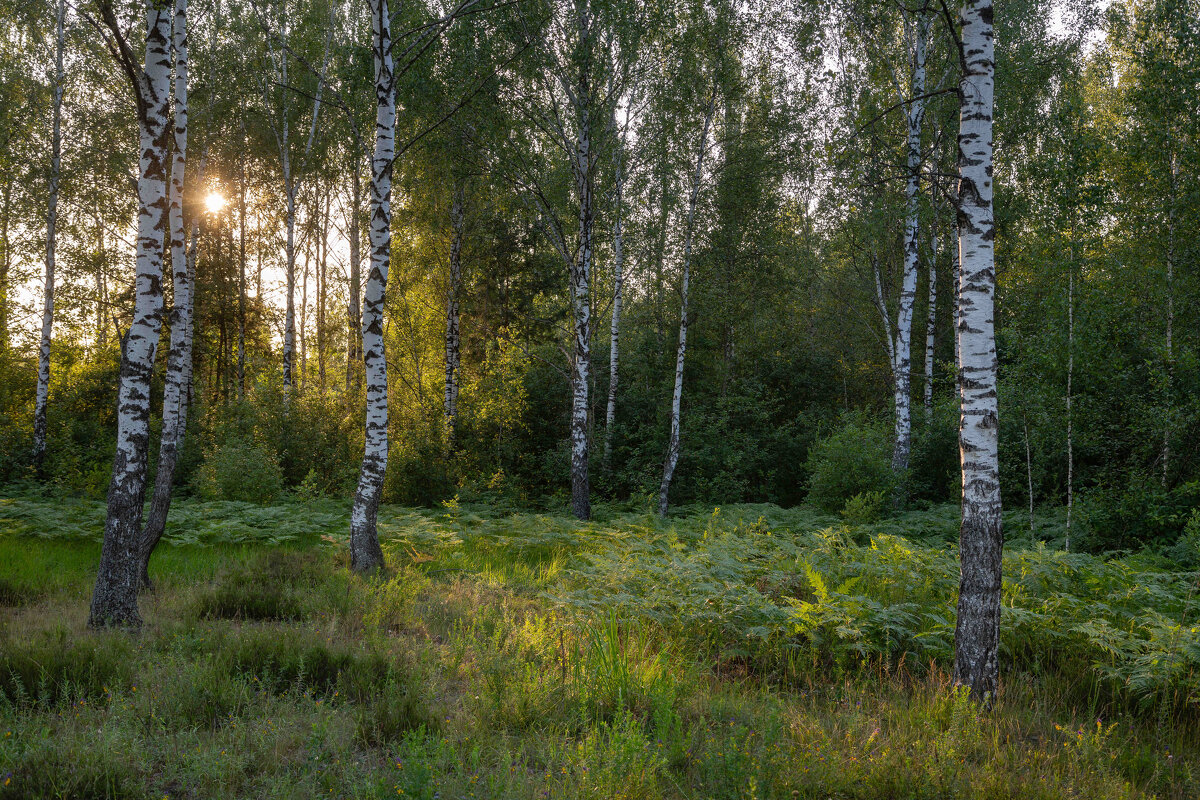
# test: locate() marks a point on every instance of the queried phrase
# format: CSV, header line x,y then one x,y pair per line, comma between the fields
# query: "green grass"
x,y
746,652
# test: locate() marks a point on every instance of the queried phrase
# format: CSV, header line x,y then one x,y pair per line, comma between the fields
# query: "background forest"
x,y
797,260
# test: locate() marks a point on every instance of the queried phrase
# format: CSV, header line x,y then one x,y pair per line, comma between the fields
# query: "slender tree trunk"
x,y
114,599
610,416
1166,444
5,248
673,443
43,383
930,331
289,188
354,333
241,308
174,417
908,294
1028,470
450,405
321,275
365,552
581,273
1070,400
308,248
977,633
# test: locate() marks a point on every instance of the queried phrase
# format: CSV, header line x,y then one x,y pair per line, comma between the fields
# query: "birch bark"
x,y
114,599
581,271
930,330
365,552
673,443
43,382
915,114
610,415
174,415
977,632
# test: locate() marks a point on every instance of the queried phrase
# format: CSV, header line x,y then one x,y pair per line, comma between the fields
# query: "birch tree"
x,y
365,552
175,392
673,443
614,338
114,599
43,379
977,631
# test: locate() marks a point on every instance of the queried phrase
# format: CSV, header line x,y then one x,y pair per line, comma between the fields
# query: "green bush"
x,y
240,470
852,461
864,508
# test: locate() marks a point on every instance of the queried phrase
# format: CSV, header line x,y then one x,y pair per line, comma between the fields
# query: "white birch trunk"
x,y
365,552
908,293
610,415
673,443
114,599
354,333
977,632
581,273
1166,444
174,414
43,381
930,331
452,329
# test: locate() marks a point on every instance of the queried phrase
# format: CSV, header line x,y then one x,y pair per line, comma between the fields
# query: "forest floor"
x,y
745,652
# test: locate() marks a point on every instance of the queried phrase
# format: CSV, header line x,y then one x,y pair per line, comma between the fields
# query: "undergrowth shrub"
x,y
853,460
242,470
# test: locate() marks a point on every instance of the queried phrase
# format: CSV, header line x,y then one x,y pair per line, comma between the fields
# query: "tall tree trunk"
x,y
289,189
174,416
977,633
581,273
5,249
308,248
354,332
321,274
43,382
1070,401
908,294
365,552
610,415
241,308
114,599
930,330
673,443
1166,443
453,291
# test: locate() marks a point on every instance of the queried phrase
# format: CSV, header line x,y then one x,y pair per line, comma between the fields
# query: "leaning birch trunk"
x,y
581,271
452,330
908,293
672,458
365,553
977,632
43,380
174,415
930,330
114,599
610,415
